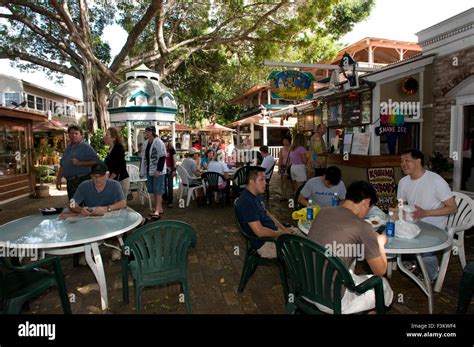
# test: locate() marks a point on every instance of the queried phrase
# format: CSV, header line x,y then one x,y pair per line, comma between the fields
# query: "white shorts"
x,y
352,302
298,172
268,250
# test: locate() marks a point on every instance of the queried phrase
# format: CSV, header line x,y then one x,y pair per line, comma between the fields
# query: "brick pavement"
x,y
213,271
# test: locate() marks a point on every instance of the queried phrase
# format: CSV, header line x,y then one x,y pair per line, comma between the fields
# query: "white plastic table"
x,y
48,234
430,239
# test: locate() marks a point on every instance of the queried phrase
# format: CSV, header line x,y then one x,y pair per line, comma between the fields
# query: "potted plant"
x,y
442,165
42,176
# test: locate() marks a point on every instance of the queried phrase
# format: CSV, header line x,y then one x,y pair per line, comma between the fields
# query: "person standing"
x,y
153,166
170,170
431,196
319,151
297,161
283,167
115,159
76,162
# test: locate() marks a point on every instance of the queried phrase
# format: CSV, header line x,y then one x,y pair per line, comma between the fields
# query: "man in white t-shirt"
x,y
429,193
322,189
268,161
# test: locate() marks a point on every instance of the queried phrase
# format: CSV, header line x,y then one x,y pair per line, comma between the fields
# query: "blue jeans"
x,y
431,264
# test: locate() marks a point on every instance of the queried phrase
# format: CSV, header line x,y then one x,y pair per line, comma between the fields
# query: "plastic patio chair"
x,y
137,184
296,205
211,180
313,275
19,284
157,254
462,220
252,258
267,187
184,184
239,182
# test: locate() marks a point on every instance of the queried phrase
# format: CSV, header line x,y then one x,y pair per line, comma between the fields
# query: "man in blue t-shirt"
x,y
99,194
254,219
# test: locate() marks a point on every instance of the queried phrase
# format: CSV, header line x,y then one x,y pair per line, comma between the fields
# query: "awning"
x,y
215,127
49,125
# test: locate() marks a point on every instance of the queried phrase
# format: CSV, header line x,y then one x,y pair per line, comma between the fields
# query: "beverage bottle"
x,y
309,212
390,230
335,200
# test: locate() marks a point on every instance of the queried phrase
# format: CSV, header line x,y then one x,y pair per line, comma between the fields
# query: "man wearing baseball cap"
x,y
99,194
153,167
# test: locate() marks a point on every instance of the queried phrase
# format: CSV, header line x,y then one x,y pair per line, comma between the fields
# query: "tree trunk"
x,y
95,100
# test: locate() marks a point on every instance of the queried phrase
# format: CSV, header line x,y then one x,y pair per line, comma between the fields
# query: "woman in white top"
x,y
217,165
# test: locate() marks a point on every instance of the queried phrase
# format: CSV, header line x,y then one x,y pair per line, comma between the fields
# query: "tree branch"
x,y
60,45
134,33
35,8
10,53
84,47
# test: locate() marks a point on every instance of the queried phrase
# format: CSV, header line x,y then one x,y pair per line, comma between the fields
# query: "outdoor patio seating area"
x,y
214,269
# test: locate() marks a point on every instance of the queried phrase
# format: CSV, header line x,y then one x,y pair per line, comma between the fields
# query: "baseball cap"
x,y
165,138
99,169
151,128
193,151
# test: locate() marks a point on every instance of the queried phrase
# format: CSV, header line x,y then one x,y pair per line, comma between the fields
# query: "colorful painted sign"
x,y
383,180
291,85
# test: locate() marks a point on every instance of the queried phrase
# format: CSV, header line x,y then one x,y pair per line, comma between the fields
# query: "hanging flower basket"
x,y
410,86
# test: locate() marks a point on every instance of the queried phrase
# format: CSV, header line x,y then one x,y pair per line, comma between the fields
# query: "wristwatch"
x,y
109,209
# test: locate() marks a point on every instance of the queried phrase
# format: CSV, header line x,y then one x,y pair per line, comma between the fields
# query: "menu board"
x,y
351,109
360,143
383,180
366,106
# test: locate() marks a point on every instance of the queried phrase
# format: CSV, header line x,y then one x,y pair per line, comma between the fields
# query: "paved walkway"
x,y
214,270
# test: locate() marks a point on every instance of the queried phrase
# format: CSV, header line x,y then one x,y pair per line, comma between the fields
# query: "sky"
x,y
390,19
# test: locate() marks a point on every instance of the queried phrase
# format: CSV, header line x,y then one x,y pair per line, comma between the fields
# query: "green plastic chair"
x,y
253,259
156,254
267,187
466,288
19,284
239,182
313,275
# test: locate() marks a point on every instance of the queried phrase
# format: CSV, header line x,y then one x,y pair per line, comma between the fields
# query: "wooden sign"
x,y
291,85
383,180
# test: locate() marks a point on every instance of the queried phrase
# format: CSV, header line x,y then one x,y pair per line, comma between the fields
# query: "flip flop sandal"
x,y
154,216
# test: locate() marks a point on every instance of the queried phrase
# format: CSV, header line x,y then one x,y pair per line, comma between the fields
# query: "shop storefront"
x,y
16,162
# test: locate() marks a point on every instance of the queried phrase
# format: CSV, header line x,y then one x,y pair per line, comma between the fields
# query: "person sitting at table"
x,y
206,159
217,165
189,164
344,226
98,195
267,162
253,217
321,190
431,196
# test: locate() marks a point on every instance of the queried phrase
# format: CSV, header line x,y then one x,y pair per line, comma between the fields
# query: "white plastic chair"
x,y
138,184
460,221
184,178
